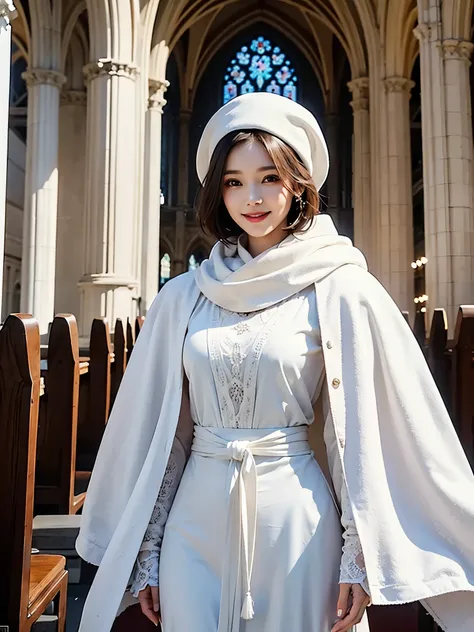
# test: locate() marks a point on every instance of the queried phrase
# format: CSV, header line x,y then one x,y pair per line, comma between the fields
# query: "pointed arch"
x,y
233,30
457,18
70,23
397,33
113,28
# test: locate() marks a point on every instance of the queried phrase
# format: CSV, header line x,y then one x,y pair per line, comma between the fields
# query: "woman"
x,y
205,472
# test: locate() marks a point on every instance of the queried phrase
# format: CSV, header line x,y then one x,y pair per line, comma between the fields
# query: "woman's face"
x,y
254,195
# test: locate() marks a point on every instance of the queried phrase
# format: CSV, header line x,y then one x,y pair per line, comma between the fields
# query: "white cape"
x,y
409,482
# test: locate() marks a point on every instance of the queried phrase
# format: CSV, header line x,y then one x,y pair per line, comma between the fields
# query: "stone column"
x,y
41,195
72,153
459,174
152,193
447,169
363,224
180,263
7,13
108,286
396,214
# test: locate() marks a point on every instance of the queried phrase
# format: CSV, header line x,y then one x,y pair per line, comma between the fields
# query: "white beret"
x,y
278,115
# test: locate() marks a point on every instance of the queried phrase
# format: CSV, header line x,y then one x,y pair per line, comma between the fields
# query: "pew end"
x,y
28,583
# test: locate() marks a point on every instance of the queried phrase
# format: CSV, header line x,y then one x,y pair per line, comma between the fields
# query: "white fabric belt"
x,y
239,446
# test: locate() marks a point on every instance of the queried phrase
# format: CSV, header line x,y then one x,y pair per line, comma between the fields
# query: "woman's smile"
x,y
256,217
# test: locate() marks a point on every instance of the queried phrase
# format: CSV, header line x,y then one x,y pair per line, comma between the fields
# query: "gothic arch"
x,y
397,35
46,30
166,246
173,19
22,50
76,58
72,24
457,18
239,28
21,31
113,26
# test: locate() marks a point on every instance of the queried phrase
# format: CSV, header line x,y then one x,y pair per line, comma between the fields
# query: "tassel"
x,y
247,607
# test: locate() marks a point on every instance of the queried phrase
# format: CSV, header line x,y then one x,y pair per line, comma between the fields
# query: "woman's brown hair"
x,y
212,214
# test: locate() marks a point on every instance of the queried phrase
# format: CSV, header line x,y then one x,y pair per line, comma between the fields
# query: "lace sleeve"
x,y
352,562
145,571
352,569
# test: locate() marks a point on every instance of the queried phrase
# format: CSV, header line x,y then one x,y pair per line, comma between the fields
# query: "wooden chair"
x,y
94,395
28,583
59,488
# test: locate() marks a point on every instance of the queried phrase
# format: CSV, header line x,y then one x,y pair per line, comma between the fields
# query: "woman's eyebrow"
x,y
235,171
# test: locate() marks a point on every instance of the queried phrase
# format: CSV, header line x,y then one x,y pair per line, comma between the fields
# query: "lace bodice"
x,y
263,369
236,342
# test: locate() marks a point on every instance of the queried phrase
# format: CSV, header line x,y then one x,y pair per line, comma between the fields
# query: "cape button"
x,y
336,382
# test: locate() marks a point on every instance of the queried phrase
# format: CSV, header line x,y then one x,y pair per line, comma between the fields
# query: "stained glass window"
x,y
165,269
196,258
260,67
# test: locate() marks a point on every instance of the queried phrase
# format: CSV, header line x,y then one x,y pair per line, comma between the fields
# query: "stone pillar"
x,y
152,193
7,13
70,249
363,224
447,169
332,125
180,263
396,246
108,286
41,195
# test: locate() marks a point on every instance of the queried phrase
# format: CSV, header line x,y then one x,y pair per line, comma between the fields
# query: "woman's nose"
x,y
255,198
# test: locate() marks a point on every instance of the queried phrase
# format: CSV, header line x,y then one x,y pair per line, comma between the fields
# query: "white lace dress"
x,y
252,372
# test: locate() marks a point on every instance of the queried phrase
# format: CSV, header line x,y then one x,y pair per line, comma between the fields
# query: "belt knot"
x,y
237,449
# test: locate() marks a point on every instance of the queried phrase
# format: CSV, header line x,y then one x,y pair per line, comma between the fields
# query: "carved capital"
x,y
7,10
398,84
110,67
422,32
74,97
41,76
360,90
457,49
156,91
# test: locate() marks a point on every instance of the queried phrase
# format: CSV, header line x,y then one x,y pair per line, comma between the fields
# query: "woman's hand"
x,y
347,617
149,599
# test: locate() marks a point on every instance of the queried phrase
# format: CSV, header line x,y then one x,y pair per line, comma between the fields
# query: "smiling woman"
x,y
256,184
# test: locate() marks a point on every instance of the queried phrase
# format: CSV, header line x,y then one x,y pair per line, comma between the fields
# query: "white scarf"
x,y
234,280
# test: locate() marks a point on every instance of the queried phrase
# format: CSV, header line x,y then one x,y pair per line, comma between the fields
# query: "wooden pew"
x,y
94,395
59,488
437,353
130,340
419,328
138,325
462,379
120,360
28,583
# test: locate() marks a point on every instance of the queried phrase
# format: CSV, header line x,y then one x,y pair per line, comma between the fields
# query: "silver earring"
x,y
301,203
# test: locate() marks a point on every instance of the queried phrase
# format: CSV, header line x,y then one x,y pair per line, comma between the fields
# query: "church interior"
x,y
102,104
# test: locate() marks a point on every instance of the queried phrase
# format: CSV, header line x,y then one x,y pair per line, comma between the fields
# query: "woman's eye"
x,y
271,178
232,183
